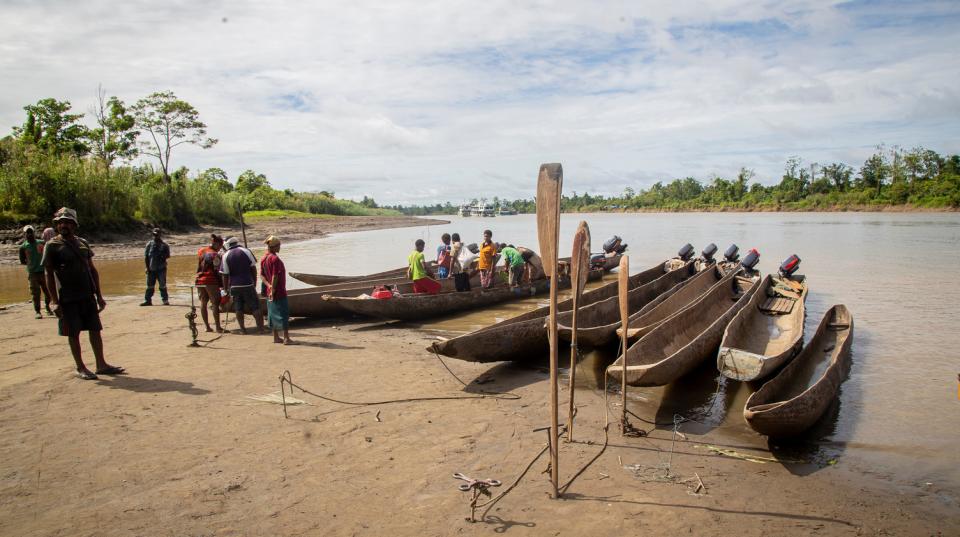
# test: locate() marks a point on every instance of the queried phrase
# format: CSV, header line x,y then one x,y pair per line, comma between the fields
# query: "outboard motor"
x,y
751,259
597,261
708,252
614,245
474,249
732,254
686,252
789,266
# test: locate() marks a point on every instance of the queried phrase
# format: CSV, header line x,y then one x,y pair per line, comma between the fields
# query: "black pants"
x,y
461,281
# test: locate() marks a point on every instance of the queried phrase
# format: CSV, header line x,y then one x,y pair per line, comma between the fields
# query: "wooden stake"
x,y
243,227
549,187
580,263
624,292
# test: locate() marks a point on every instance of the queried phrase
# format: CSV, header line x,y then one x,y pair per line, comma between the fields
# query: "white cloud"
x,y
426,101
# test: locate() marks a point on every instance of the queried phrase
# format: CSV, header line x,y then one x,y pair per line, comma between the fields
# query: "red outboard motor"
x,y
597,261
751,259
789,266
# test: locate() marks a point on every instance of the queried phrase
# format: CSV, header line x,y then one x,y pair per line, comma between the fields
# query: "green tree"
x,y
50,127
216,178
168,122
839,175
250,181
115,136
874,172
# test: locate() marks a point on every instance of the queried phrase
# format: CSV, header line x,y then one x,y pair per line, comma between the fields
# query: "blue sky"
x,y
416,102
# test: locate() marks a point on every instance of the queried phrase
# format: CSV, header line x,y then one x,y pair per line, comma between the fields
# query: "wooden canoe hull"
x,y
644,321
329,279
597,323
755,343
684,340
417,307
794,399
523,337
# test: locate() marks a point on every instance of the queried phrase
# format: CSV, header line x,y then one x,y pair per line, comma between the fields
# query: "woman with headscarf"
x,y
274,276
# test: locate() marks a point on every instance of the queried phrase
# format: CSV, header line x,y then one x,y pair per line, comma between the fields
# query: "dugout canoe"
x,y
597,323
794,399
645,320
417,307
522,337
684,340
330,279
766,333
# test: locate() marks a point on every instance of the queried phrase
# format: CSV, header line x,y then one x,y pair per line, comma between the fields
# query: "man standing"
x,y
444,257
208,280
239,269
155,258
486,261
419,272
78,302
31,252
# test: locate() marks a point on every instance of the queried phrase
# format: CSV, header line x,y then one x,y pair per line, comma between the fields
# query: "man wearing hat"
x,y
155,257
77,301
31,251
239,269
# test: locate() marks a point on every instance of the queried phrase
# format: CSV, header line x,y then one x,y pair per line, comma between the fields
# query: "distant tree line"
x,y
890,177
53,159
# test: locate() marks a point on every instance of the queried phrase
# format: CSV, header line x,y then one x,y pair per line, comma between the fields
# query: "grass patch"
x,y
282,213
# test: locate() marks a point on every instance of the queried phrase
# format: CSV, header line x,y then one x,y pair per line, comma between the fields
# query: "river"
x,y
899,411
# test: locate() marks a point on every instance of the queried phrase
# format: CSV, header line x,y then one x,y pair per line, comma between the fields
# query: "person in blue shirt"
x,y
155,258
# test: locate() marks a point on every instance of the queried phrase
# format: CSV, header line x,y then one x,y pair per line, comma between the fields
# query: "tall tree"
x,y
216,177
50,127
115,136
250,181
168,122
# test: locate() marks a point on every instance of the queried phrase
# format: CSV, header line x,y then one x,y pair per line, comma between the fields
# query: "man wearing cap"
x,y
155,257
77,301
239,269
31,252
208,280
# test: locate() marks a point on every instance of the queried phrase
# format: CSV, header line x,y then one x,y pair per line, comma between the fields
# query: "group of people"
x,y
60,267
462,262
224,264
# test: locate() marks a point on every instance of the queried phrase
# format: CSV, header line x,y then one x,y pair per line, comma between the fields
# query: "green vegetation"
x,y
54,160
916,178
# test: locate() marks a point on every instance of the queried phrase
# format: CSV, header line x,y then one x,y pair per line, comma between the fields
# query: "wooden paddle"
x,y
624,291
580,269
549,187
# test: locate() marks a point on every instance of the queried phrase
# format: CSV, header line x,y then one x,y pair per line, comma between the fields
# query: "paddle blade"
x,y
549,186
623,290
580,258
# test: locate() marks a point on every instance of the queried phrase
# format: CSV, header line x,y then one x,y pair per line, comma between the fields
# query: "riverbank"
x,y
289,229
177,446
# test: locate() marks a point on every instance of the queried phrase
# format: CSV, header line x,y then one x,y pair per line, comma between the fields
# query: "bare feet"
x,y
85,374
210,329
289,341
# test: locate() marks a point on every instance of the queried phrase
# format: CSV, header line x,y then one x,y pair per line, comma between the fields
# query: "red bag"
x,y
381,292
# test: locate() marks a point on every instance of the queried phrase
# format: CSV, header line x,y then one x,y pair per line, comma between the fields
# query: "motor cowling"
x,y
597,261
708,251
789,266
686,252
732,254
751,259
614,245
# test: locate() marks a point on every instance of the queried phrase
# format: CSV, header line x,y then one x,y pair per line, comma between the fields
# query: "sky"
x,y
427,101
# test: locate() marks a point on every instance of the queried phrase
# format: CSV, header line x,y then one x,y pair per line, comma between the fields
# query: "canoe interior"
x,y
677,331
689,291
767,334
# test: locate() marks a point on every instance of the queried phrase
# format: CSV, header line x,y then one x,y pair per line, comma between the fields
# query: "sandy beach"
x,y
177,447
290,229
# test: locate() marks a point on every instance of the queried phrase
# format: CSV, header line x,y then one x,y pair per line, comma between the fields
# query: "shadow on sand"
x,y
142,385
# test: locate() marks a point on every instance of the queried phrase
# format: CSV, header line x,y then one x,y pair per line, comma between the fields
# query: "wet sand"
x,y
289,229
176,447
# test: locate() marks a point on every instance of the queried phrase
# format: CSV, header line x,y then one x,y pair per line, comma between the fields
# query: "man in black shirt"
x,y
155,258
77,301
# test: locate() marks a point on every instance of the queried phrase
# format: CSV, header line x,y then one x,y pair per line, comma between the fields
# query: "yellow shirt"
x,y
487,251
415,261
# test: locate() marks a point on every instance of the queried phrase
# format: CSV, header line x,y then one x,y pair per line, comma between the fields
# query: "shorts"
x,y
209,292
78,316
245,299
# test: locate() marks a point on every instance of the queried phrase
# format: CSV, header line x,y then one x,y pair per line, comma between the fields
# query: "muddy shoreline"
x,y
289,229
178,447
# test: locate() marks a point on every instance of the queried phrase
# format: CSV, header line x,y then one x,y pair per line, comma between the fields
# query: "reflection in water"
x,y
892,270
